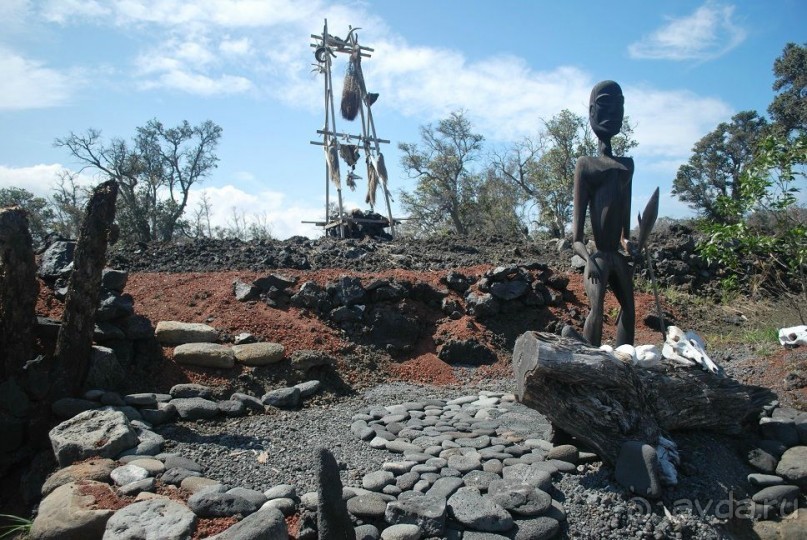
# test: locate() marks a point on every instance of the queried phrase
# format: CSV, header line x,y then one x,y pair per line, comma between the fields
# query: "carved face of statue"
x,y
606,109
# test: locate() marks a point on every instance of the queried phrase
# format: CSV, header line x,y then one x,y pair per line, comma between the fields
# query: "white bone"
x,y
647,356
793,336
626,353
687,348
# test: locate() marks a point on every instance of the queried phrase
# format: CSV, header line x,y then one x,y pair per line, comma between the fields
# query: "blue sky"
x,y
69,65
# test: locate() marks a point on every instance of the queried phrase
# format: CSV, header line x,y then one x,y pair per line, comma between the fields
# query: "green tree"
x,y
40,215
789,108
717,163
445,194
543,166
500,206
154,172
761,238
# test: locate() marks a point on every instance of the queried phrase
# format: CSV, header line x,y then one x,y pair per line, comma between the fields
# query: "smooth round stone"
x,y
378,443
398,467
464,464
480,479
528,475
433,450
764,480
478,443
477,512
546,466
493,465
519,498
397,409
538,443
418,457
286,506
393,490
562,466
407,480
462,400
384,434
564,452
391,418
401,531
376,480
518,450
281,491
153,466
402,446
421,486
450,472
531,458
485,402
128,474
367,532
437,462
423,468
367,506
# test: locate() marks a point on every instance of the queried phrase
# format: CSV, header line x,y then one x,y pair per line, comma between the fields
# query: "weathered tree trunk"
x,y
604,402
18,292
74,343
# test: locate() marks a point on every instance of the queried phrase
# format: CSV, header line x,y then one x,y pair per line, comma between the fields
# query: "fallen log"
x,y
604,402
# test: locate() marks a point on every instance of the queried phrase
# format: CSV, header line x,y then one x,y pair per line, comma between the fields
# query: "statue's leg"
x,y
595,290
622,284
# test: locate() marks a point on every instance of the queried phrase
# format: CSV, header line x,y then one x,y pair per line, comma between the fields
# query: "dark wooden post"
x,y
18,291
74,344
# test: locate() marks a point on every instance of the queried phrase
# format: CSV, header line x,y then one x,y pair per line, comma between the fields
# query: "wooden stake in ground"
x,y
18,291
74,343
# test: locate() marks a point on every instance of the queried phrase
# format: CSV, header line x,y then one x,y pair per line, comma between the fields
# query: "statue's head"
x,y
606,109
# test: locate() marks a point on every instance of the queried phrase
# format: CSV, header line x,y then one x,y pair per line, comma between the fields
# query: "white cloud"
x,y
190,66
60,11
706,34
271,207
670,122
13,13
40,179
29,84
236,47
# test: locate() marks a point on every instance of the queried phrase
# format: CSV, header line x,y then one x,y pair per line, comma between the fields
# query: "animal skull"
x,y
793,336
687,348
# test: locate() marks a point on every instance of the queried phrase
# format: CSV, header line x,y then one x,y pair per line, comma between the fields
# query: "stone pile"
x,y
384,312
124,340
468,466
780,456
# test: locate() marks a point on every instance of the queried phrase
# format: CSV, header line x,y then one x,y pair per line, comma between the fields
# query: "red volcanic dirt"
x,y
208,298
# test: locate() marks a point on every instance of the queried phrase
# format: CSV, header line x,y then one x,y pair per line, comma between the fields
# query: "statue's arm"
x,y
627,215
581,200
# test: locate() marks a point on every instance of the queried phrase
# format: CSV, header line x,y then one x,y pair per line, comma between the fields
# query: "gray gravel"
x,y
262,451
